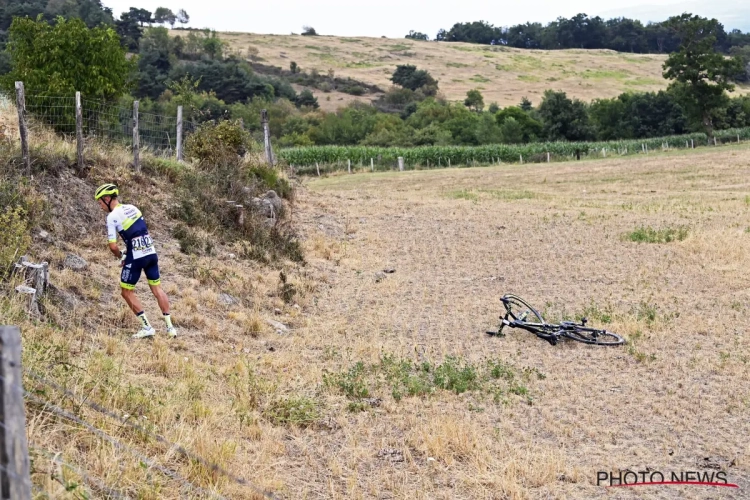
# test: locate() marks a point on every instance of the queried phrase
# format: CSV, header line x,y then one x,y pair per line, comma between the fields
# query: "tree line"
x,y
585,32
197,71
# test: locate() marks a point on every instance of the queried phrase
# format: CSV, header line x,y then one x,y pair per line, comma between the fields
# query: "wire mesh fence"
x,y
106,121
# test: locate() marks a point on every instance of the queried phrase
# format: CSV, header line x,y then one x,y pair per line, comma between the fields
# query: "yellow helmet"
x,y
106,190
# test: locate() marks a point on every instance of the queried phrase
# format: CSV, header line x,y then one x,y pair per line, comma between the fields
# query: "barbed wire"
x,y
105,411
86,477
119,445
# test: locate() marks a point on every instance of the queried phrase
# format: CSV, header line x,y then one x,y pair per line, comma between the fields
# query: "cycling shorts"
x,y
131,272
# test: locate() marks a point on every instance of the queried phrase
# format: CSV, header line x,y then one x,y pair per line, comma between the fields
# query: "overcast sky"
x,y
394,18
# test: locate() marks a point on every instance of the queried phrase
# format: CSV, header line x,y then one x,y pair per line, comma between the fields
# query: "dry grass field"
x,y
385,385
503,75
676,398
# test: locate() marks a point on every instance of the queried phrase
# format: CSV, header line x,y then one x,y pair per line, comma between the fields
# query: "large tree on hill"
x,y
66,57
164,15
409,77
700,75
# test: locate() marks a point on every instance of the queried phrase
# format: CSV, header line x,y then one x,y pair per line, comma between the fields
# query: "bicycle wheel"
x,y
520,310
593,336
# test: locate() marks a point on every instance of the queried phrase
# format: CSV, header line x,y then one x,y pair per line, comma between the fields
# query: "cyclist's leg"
x,y
131,273
129,277
154,282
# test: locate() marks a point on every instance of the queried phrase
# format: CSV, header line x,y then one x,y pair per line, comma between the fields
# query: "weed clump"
x,y
404,378
651,235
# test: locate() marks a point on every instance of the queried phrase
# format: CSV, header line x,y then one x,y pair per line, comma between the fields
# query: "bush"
x,y
354,90
214,142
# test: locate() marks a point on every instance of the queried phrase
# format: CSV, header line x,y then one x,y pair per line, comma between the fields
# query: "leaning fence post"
x,y
22,129
14,453
79,130
136,139
317,168
266,136
179,133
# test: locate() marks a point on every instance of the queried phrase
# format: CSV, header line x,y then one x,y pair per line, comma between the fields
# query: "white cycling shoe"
x,y
145,333
172,332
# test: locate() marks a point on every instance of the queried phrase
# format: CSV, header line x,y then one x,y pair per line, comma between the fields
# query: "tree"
x,y
309,31
141,15
164,15
416,35
526,104
183,17
93,61
528,128
129,30
700,75
474,100
294,68
306,98
409,77
563,118
213,46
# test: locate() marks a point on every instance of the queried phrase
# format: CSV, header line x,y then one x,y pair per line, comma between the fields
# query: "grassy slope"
x,y
225,387
504,75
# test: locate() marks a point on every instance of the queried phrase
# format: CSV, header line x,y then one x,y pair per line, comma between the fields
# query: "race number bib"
x,y
143,246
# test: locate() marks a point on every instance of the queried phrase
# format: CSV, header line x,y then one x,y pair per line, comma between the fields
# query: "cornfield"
x,y
329,158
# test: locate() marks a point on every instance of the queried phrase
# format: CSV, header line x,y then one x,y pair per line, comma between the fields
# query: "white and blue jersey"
x,y
127,221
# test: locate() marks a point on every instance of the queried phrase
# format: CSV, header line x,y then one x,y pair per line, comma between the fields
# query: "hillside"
x,y
504,75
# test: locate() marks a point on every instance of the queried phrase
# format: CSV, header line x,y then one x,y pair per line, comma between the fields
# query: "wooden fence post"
x,y
136,139
317,168
266,136
22,129
179,133
372,165
14,453
349,166
400,163
79,130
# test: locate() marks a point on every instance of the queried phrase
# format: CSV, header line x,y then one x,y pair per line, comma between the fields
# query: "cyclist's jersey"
x,y
128,221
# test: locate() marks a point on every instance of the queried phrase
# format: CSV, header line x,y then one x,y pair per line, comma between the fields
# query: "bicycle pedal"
x,y
495,334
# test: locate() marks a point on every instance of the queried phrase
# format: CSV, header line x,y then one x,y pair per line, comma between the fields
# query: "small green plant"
x,y
455,375
351,383
190,243
297,411
651,235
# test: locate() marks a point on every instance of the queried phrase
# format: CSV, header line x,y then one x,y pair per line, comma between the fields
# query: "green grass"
x,y
398,47
479,79
528,78
651,235
604,74
494,194
456,65
641,81
404,378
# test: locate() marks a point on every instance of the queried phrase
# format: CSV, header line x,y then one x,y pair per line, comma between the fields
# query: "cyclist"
x,y
139,255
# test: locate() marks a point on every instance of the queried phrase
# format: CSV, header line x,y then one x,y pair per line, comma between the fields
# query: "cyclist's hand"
x,y
122,259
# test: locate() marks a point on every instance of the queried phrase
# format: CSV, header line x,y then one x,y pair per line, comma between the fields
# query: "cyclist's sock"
x,y
144,320
168,320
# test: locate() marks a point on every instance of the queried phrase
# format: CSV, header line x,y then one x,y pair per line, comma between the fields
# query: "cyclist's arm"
x,y
112,237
